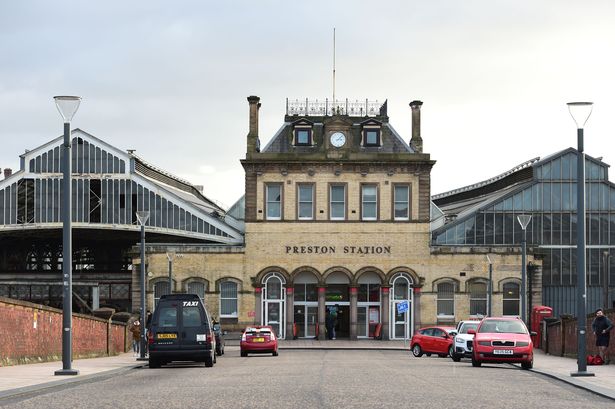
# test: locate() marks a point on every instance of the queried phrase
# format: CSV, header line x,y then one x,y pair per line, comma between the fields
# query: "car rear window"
x,y
167,316
191,316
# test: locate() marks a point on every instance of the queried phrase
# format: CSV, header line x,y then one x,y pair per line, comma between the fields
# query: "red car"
x,y
258,340
502,340
433,340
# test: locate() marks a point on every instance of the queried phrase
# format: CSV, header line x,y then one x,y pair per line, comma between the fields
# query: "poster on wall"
x,y
374,315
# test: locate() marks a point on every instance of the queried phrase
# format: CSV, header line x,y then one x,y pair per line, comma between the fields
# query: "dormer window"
x,y
302,133
303,137
372,137
371,133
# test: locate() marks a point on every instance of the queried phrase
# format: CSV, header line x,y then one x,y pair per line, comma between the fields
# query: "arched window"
x,y
478,298
228,299
510,299
273,302
446,299
196,287
401,293
160,288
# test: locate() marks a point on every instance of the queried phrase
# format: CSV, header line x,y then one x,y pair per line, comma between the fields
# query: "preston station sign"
x,y
338,250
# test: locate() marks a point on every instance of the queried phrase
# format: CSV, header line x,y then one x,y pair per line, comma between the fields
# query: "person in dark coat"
x,y
330,324
602,328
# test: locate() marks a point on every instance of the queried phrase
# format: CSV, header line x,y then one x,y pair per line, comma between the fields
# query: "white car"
x,y
462,344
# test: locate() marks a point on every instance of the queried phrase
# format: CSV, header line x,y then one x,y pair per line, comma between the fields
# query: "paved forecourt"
x,y
319,379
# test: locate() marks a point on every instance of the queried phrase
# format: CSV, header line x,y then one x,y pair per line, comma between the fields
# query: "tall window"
x,y
478,298
196,287
369,202
446,299
305,202
273,199
228,299
160,288
510,301
401,202
337,202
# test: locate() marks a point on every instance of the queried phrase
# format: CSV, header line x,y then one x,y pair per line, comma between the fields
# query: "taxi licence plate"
x,y
258,339
502,351
166,336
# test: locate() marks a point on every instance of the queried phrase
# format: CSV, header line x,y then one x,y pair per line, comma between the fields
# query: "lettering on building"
x,y
334,250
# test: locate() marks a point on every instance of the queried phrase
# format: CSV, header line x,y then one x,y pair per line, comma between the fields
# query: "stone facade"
x,y
292,272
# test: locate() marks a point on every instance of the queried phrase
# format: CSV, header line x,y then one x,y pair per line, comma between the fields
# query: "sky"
x,y
170,79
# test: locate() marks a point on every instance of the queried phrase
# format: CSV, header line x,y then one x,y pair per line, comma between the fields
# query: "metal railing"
x,y
306,107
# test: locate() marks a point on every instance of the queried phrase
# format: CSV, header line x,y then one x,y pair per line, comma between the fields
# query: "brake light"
x,y
150,337
208,338
243,337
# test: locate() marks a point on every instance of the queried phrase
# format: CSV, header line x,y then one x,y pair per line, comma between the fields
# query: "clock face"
x,y
338,139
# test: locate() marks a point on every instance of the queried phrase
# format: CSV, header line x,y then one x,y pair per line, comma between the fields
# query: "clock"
x,y
338,139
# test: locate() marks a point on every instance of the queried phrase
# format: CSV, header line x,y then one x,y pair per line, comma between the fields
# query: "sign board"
x,y
402,307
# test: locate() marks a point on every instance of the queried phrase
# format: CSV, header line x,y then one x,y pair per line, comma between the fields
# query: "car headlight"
x,y
459,341
523,344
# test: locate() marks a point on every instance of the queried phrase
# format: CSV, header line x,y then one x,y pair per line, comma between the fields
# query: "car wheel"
x,y
209,361
417,351
475,363
451,351
244,354
456,357
154,363
527,365
275,353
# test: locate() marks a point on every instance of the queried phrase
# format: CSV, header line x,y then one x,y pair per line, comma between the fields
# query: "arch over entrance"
x,y
401,293
338,281
369,282
306,281
274,301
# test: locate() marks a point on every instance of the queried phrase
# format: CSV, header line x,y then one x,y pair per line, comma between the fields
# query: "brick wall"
x,y
33,333
562,337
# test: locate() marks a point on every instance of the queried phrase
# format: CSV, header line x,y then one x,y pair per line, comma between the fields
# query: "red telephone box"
x,y
538,314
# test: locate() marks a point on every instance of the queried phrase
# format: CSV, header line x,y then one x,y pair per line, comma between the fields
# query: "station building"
x,y
337,215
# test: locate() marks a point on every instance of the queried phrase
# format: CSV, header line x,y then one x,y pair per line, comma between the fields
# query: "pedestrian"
x,y
602,327
334,315
135,328
329,323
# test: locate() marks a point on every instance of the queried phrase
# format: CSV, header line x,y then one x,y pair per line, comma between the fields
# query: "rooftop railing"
x,y
326,107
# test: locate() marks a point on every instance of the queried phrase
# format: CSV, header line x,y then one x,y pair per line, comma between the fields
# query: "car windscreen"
x,y
465,327
504,326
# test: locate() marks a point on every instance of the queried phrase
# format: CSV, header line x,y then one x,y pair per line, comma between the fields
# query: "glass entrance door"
x,y
400,322
274,316
306,318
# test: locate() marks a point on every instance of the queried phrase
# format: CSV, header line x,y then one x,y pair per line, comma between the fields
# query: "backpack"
x,y
594,360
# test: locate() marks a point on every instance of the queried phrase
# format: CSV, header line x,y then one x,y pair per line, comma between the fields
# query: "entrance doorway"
x,y
342,319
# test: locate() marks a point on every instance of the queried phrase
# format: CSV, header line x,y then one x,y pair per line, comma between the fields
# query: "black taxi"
x,y
181,330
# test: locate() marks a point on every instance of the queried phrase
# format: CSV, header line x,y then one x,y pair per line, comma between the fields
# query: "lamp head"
x,y
142,216
580,112
524,220
67,106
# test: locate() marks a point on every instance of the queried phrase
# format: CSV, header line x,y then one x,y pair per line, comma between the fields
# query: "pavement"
x,y
32,378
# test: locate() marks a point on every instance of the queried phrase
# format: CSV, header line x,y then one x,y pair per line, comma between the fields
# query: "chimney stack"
x,y
8,172
416,142
253,141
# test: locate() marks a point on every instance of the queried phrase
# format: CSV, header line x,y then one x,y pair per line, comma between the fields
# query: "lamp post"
x,y
580,112
490,288
605,280
67,106
142,217
524,220
170,257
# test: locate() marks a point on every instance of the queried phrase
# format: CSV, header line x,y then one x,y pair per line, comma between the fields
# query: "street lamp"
x,y
142,216
580,112
67,106
490,289
170,257
524,220
605,281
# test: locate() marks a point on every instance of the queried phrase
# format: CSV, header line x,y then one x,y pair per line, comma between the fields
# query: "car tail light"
x,y
208,339
150,337
243,337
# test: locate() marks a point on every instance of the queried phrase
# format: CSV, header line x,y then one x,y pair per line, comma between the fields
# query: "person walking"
x,y
135,328
329,323
601,326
